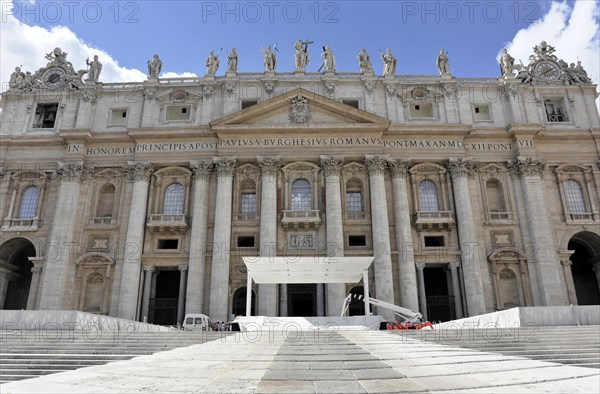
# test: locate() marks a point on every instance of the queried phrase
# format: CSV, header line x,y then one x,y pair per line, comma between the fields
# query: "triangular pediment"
x,y
311,111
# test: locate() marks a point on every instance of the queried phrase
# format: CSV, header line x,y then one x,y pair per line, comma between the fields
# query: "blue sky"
x,y
127,33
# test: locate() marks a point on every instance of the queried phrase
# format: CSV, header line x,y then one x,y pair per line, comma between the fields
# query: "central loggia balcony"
x,y
30,224
301,220
168,223
433,220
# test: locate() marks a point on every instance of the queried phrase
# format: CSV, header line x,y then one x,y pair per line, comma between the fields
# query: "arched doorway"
x,y
239,302
586,247
357,307
15,273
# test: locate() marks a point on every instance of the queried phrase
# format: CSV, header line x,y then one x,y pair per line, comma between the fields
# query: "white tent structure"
x,y
307,269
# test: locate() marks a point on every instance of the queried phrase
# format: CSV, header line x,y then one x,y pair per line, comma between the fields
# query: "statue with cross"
x,y
301,54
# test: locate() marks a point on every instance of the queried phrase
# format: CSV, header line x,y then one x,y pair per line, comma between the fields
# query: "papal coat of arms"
x,y
299,110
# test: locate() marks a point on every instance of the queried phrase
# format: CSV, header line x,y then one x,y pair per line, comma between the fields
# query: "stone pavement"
x,y
321,362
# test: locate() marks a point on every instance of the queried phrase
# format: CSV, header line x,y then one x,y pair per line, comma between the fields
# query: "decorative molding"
x,y
300,111
149,269
420,266
454,265
527,167
369,87
75,171
459,168
208,91
201,170
330,88
269,87
138,170
332,165
376,164
399,168
270,165
229,88
225,166
91,94
182,267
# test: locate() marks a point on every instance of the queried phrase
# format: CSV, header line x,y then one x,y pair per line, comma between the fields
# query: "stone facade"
x,y
138,200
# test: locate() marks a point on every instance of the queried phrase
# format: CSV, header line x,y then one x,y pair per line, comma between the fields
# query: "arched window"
x,y
428,198
106,201
301,195
29,203
354,196
174,195
495,196
574,196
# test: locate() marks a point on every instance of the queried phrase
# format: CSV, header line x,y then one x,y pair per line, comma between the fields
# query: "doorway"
x,y
587,253
17,273
440,304
302,299
163,307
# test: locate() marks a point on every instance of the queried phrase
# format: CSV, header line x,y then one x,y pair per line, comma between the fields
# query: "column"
x,y
197,261
456,289
566,264
267,293
36,270
11,205
409,297
331,166
183,271
320,300
544,256
596,269
467,234
219,279
283,300
53,293
148,273
421,287
384,288
139,173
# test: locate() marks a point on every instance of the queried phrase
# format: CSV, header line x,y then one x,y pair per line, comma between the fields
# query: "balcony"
x,y
357,216
580,217
167,223
433,220
101,222
31,224
301,220
247,217
497,217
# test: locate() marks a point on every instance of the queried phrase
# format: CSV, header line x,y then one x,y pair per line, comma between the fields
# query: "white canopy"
x,y
307,269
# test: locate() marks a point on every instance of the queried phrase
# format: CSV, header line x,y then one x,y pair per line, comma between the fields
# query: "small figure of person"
x,y
232,61
364,62
269,58
443,63
389,63
212,63
95,67
507,63
328,59
301,55
154,66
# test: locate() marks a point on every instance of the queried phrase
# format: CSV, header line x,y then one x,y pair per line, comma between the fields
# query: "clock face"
x,y
547,71
54,78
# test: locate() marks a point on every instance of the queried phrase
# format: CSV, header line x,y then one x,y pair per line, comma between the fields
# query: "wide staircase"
x,y
29,354
573,345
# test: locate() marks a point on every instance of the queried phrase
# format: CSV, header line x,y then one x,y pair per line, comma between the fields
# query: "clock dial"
x,y
54,78
547,71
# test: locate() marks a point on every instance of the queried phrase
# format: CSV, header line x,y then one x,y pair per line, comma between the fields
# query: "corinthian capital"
x,y
138,170
399,168
201,169
332,165
74,171
269,165
459,168
527,167
225,165
376,164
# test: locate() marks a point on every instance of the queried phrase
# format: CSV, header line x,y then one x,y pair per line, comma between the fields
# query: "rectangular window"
x,y
118,117
357,240
45,116
248,203
168,244
481,113
354,202
421,111
178,112
244,241
248,103
435,241
555,111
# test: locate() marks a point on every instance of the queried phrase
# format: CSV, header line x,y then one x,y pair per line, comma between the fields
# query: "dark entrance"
x,y
440,304
239,302
163,307
357,308
16,253
584,278
302,299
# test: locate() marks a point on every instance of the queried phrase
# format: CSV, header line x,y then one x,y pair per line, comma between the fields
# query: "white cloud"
x,y
171,74
26,46
573,30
